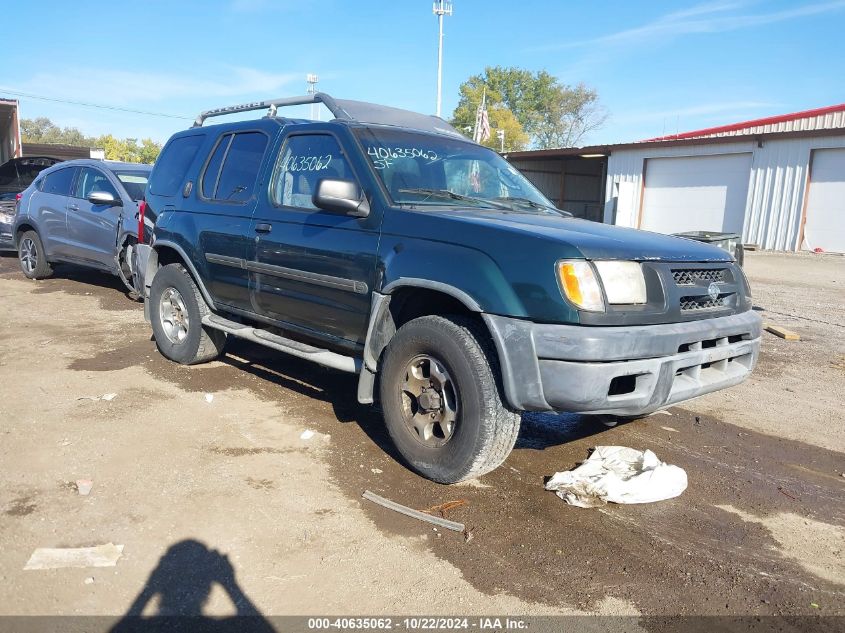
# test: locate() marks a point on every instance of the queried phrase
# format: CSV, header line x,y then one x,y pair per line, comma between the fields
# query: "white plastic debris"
x,y
83,487
57,558
108,397
618,474
376,471
209,397
307,434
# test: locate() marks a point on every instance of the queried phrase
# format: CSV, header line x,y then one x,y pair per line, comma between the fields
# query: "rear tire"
x,y
32,258
176,311
435,360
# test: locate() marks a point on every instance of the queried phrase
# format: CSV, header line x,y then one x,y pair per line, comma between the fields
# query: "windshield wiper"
x,y
533,204
445,193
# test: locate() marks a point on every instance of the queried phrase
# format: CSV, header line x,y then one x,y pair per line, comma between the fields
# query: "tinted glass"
x,y
240,170
172,165
304,161
134,182
59,182
92,180
212,170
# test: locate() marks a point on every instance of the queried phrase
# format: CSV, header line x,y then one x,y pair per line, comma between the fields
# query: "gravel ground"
x,y
221,505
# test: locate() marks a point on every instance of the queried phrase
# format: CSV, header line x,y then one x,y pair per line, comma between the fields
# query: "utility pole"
x,y
500,134
441,8
312,79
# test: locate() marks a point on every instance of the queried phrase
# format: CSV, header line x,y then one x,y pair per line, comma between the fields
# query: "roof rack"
x,y
345,110
273,104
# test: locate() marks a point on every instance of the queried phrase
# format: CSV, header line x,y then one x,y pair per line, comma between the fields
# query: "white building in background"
x,y
778,181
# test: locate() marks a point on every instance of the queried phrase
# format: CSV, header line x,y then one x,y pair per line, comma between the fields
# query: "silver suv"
x,y
83,212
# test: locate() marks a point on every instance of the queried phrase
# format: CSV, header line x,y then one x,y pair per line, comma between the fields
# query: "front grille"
x,y
689,276
689,304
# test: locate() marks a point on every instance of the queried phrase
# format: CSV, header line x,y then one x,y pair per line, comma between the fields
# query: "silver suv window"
x,y
59,182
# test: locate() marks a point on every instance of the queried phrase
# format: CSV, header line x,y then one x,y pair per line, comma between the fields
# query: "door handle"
x,y
263,228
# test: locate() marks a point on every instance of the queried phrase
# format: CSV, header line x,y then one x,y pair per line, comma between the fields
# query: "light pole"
x,y
441,8
311,79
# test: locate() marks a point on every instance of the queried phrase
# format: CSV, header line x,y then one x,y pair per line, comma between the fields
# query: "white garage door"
x,y
696,193
825,227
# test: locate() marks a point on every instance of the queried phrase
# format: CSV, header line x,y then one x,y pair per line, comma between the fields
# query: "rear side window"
x,y
233,168
172,165
59,182
212,170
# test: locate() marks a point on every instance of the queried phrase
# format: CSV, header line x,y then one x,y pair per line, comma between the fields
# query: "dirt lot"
x,y
222,503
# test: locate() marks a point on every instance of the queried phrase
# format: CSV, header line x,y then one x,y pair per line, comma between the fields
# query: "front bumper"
x,y
622,370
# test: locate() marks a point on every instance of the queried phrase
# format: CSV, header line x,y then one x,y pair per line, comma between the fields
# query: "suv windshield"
x,y
428,170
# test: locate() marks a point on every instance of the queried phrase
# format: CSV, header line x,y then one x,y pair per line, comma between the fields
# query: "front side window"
x,y
59,182
233,168
91,181
304,161
429,170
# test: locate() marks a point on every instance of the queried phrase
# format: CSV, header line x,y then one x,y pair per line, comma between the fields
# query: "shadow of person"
x,y
181,583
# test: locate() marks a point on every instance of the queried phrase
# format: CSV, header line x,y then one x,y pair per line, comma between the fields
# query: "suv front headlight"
x,y
624,283
580,285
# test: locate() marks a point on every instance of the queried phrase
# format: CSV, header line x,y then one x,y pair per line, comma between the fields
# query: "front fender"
x,y
467,274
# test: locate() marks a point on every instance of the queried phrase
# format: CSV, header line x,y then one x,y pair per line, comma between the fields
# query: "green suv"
x,y
384,243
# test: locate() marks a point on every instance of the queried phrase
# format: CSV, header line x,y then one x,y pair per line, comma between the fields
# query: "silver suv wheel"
x,y
174,315
29,255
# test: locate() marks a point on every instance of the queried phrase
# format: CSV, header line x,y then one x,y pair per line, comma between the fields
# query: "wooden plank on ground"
x,y
782,332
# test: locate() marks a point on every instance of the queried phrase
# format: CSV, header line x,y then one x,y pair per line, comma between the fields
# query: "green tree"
x,y
43,130
551,114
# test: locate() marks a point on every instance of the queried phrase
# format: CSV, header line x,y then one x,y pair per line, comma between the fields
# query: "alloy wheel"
x,y
429,401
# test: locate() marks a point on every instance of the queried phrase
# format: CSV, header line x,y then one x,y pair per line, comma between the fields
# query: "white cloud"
x,y
711,17
133,89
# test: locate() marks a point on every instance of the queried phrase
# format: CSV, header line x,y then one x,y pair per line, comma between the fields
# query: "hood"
x,y
592,239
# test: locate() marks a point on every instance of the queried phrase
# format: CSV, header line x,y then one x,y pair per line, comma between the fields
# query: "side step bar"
x,y
294,348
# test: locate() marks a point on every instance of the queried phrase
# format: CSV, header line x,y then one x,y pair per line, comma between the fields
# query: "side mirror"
x,y
341,196
104,197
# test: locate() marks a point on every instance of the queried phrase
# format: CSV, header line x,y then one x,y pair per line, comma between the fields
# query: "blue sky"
x,y
659,67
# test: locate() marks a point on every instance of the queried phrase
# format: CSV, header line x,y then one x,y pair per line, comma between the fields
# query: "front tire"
x,y
32,257
176,311
442,401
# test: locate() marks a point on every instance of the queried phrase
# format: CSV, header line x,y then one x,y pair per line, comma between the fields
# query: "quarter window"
x,y
172,165
59,182
233,168
305,160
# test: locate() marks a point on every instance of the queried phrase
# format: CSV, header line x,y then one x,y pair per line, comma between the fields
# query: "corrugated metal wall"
x,y
544,174
775,191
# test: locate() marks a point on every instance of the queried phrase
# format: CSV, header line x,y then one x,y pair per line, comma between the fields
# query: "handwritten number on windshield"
x,y
383,157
